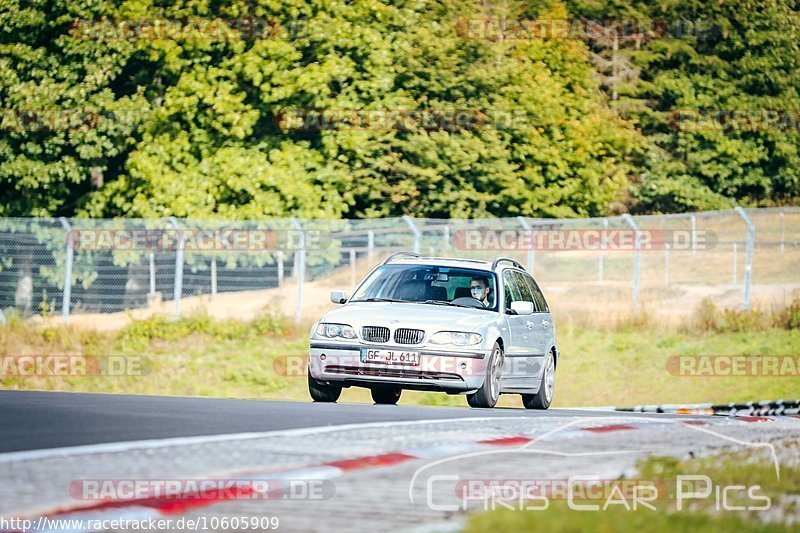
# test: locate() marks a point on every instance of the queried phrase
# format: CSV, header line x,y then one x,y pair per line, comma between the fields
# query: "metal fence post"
x,y
601,261
748,256
693,220
67,294
279,260
177,290
352,267
636,259
414,231
446,236
152,273
531,255
370,246
300,270
214,277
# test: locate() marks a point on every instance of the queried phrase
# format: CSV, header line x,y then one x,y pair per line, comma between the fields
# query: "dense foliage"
x,y
104,114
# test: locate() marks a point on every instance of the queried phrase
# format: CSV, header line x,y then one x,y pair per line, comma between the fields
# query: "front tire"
x,y
386,395
489,393
321,392
542,399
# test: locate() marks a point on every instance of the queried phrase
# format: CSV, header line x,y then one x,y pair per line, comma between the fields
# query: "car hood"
x,y
410,315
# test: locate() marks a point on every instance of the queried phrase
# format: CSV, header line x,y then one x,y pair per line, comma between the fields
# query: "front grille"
x,y
375,333
408,336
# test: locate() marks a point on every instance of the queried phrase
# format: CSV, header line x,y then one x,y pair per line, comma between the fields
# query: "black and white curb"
x,y
762,408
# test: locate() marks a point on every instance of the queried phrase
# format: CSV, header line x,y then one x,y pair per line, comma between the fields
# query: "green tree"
x,y
67,119
716,60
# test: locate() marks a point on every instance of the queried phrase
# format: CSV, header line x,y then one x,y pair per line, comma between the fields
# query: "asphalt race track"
x,y
31,420
317,467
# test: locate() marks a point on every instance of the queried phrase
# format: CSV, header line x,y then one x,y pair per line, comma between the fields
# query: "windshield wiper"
x,y
431,302
444,302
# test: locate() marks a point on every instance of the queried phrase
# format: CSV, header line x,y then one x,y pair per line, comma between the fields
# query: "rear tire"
x,y
542,399
321,392
386,395
489,393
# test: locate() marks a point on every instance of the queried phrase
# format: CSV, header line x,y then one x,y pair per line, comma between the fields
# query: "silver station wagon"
x,y
459,326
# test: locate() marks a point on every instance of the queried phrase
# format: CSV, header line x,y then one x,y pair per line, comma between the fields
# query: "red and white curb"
x,y
156,508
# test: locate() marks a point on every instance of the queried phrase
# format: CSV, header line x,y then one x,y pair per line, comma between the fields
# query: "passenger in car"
x,y
480,290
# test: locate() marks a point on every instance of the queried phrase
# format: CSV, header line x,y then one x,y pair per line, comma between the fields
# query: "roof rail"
x,y
458,259
398,254
501,259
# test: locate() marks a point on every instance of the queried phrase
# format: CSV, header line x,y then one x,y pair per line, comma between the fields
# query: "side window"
x,y
511,289
541,303
524,288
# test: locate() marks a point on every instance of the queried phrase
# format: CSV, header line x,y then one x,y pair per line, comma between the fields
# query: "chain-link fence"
x,y
80,266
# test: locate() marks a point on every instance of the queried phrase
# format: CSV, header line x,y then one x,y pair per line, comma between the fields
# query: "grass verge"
x,y
740,510
625,365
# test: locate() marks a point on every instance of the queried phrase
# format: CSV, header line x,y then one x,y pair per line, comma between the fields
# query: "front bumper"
x,y
447,370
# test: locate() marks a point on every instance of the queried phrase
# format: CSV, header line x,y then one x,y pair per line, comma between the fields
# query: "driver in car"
x,y
479,288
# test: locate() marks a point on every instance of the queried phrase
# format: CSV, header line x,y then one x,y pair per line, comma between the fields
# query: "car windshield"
x,y
429,284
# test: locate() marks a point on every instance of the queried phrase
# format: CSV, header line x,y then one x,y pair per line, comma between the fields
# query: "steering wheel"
x,y
469,301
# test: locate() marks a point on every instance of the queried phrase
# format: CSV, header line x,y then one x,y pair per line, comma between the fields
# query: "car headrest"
x,y
437,293
412,290
462,292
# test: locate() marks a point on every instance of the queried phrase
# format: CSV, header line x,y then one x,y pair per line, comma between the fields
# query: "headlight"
x,y
335,330
456,338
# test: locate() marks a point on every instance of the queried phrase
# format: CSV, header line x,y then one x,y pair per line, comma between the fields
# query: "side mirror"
x,y
338,297
522,308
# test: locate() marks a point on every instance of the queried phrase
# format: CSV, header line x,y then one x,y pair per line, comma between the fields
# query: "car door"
x,y
542,330
529,363
515,367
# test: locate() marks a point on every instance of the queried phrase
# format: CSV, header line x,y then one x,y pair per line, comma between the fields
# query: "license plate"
x,y
389,357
